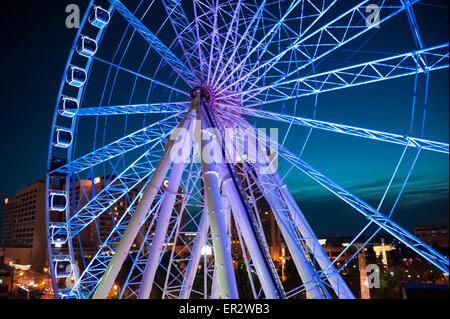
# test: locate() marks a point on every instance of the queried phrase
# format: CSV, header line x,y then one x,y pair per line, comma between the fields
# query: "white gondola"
x,y
63,266
62,138
76,76
59,234
67,293
86,46
99,17
58,201
68,107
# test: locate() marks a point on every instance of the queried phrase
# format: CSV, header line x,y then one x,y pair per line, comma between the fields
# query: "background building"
x,y
95,233
23,238
435,236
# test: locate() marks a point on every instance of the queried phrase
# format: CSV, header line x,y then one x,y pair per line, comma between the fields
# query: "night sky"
x,y
35,45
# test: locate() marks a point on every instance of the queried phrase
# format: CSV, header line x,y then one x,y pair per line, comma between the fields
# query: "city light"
x,y
206,250
242,222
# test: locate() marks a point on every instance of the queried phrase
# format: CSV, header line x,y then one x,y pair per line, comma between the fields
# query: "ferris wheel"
x,y
137,209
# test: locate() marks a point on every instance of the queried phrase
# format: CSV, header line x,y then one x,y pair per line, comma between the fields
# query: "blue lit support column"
x,y
335,279
162,225
300,222
340,287
226,209
280,211
239,214
138,218
199,243
220,239
304,268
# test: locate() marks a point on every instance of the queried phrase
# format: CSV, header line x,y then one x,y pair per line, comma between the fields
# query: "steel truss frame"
x,y
227,49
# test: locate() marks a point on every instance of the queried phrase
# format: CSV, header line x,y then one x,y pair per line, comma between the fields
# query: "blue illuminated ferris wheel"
x,y
144,77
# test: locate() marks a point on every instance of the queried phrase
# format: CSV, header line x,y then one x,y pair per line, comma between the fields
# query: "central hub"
x,y
205,93
226,109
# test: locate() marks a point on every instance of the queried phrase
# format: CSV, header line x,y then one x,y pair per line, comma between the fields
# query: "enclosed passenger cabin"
x,y
62,138
63,266
76,76
68,106
86,47
59,234
99,17
67,293
58,201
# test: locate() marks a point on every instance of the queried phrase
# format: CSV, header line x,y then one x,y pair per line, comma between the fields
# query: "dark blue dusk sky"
x,y
34,48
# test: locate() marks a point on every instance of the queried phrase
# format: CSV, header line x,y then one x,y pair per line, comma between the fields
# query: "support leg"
x,y
340,287
194,261
221,242
163,223
161,231
304,267
239,214
136,221
215,290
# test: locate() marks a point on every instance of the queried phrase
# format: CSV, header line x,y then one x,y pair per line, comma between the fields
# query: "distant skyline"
x,y
34,49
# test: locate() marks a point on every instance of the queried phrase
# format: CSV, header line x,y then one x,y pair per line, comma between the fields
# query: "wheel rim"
x,y
253,64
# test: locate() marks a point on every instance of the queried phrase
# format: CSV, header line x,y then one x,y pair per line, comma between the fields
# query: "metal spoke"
x,y
371,213
364,73
156,43
158,108
154,133
130,214
350,130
